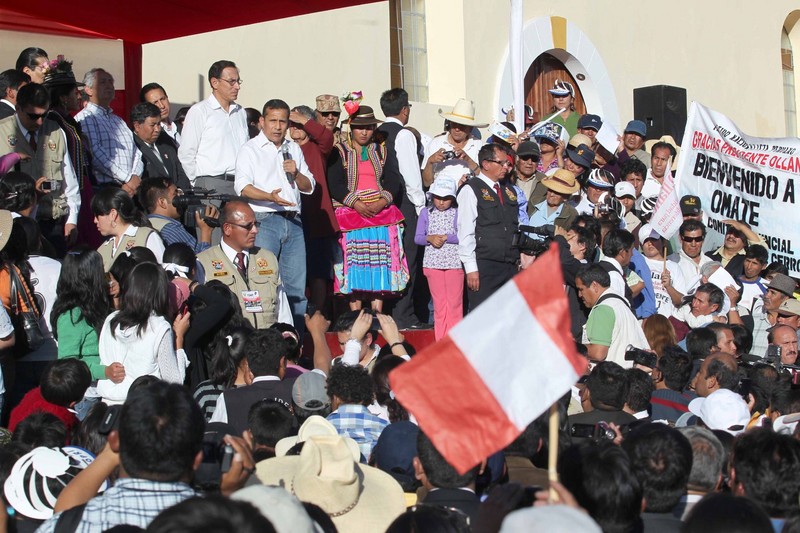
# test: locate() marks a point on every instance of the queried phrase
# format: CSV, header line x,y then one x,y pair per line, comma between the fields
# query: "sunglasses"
x,y
692,239
501,163
529,158
247,227
36,116
329,113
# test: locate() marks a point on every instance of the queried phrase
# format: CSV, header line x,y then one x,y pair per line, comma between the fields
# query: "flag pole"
x,y
552,450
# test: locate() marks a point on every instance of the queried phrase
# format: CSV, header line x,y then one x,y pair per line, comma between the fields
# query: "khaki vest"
x,y
140,239
47,161
159,223
262,274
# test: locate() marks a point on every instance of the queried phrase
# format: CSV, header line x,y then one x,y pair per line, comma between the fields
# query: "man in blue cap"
x,y
632,145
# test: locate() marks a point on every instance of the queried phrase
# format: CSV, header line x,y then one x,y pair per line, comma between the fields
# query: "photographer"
x,y
602,400
157,195
671,377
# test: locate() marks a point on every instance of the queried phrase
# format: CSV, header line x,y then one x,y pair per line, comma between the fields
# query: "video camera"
x,y
529,246
641,357
191,202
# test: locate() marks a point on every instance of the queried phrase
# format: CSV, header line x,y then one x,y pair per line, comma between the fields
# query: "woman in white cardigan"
x,y
139,337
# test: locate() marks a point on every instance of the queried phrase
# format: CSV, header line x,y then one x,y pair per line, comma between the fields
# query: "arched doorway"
x,y
539,79
564,41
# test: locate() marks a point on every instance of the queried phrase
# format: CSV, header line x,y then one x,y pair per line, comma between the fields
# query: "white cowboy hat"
x,y
463,113
357,497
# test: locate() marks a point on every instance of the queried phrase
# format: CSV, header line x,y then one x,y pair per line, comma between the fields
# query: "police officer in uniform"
x,y
250,272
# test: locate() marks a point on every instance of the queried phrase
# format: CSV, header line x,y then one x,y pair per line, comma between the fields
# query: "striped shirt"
x,y
130,501
115,156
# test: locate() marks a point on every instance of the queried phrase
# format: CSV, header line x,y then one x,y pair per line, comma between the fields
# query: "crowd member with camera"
x,y
157,195
611,325
602,399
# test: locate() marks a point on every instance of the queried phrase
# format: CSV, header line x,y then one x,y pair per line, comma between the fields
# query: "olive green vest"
x,y
262,276
47,161
106,249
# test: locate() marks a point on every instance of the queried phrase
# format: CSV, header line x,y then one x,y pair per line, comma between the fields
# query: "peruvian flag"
x,y
508,361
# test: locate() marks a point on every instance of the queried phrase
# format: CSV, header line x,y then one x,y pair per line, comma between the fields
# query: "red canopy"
x,y
139,24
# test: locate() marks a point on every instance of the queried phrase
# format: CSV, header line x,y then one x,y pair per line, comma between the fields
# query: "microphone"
x,y
287,156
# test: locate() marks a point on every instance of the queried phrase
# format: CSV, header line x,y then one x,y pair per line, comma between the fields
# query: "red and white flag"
x,y
667,217
508,361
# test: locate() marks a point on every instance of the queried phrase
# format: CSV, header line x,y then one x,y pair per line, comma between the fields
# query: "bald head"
x,y
239,226
718,371
786,338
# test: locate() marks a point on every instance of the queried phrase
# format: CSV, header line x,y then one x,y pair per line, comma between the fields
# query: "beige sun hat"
x,y
562,181
579,139
314,425
357,497
463,113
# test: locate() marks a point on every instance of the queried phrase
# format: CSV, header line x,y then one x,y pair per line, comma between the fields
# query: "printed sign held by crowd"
x,y
745,178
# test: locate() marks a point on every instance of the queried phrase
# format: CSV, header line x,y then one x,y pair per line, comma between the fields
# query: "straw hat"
x,y
356,497
463,113
314,426
562,181
670,141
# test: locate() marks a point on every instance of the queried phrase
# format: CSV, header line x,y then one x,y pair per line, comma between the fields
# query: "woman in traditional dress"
x,y
363,189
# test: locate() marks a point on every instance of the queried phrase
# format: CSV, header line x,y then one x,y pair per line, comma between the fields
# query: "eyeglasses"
x,y
501,163
329,113
248,227
692,239
233,83
36,116
529,158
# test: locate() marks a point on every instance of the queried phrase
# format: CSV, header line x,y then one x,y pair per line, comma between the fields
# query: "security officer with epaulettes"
x,y
44,149
250,272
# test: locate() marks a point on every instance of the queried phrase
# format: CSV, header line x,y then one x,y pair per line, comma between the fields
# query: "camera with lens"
x,y
597,433
449,154
528,245
641,357
191,202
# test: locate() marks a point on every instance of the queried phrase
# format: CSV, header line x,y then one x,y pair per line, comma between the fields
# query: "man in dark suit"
x,y
10,82
159,155
445,487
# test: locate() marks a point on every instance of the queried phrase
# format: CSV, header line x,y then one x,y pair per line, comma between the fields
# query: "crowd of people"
x,y
169,288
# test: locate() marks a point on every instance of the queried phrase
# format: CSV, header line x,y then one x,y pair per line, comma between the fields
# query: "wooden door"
x,y
539,79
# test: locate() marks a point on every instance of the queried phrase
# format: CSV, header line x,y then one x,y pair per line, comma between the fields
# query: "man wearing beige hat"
x,y
328,111
456,142
765,312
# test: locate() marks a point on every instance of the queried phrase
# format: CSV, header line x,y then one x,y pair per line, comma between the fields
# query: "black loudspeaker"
x,y
663,109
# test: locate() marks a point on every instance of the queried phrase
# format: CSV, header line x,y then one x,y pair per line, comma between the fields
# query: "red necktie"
x,y
32,140
240,266
499,193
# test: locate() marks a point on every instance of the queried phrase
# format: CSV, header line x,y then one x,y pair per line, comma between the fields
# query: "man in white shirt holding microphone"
x,y
271,173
